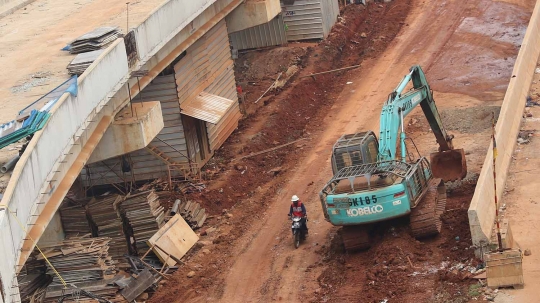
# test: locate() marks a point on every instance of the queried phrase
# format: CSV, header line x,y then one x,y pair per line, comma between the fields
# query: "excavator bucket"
x,y
449,165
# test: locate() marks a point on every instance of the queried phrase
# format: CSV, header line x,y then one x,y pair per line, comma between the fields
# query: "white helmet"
x,y
295,198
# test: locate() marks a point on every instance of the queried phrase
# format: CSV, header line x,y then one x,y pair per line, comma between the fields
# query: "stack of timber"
x,y
79,260
193,213
33,287
94,40
145,216
74,218
82,62
33,280
103,213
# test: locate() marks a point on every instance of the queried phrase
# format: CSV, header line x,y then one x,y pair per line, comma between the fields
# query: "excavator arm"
x,y
448,163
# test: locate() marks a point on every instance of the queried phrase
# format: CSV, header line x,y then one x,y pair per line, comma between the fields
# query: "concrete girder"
x,y
34,196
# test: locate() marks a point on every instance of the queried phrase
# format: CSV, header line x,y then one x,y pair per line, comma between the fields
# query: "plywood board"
x,y
174,238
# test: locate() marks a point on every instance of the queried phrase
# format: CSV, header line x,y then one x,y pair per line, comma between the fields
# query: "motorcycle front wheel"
x,y
296,239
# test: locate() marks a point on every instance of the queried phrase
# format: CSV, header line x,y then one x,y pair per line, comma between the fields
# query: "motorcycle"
x,y
299,232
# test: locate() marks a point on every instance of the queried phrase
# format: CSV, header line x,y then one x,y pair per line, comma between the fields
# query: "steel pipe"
x,y
10,164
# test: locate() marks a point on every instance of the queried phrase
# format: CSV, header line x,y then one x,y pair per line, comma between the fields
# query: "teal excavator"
x,y
371,183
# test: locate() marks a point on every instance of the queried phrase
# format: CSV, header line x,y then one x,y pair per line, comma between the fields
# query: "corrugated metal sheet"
x,y
218,133
330,11
267,34
207,66
145,165
310,19
171,139
204,61
224,86
213,71
207,107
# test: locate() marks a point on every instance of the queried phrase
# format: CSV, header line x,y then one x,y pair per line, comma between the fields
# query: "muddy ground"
x,y
294,111
241,192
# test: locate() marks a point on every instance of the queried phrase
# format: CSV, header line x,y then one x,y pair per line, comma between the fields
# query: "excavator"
x,y
378,180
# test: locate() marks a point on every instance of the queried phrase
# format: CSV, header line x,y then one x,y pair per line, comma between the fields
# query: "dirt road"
x,y
521,203
468,49
279,271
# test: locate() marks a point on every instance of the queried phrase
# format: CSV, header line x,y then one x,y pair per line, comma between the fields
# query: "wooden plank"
x,y
201,221
174,238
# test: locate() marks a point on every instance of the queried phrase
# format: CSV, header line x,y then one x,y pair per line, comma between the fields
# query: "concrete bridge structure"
x,y
56,154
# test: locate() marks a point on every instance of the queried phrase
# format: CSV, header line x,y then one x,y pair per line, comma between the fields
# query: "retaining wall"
x,y
482,209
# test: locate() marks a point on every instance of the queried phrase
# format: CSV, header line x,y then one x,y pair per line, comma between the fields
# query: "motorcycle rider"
x,y
299,210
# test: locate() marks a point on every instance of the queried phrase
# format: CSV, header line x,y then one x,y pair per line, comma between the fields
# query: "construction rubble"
x,y
106,238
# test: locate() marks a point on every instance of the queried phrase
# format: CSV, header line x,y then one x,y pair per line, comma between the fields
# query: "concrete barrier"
x,y
482,209
166,22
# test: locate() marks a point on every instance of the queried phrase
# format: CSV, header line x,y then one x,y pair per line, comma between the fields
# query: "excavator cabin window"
x,y
345,157
371,151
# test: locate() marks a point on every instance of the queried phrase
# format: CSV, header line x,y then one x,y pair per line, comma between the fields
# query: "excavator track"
x,y
356,238
426,217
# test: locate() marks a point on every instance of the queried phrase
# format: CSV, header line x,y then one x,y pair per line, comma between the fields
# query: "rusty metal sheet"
x,y
207,107
224,86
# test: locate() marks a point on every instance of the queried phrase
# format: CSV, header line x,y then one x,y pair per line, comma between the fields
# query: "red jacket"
x,y
299,210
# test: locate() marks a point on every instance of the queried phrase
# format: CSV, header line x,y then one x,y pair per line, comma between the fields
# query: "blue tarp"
x,y
51,97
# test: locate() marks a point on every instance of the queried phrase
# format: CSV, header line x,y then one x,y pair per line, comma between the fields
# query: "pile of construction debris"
x,y
89,47
144,215
74,218
79,260
33,280
103,214
108,237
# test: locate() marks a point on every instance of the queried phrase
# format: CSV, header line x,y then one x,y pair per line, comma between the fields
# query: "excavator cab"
x,y
449,165
354,149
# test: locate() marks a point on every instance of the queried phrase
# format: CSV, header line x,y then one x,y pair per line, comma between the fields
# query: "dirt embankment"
x,y
289,113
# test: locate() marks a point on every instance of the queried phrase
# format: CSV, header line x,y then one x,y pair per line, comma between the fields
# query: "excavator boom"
x,y
449,163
